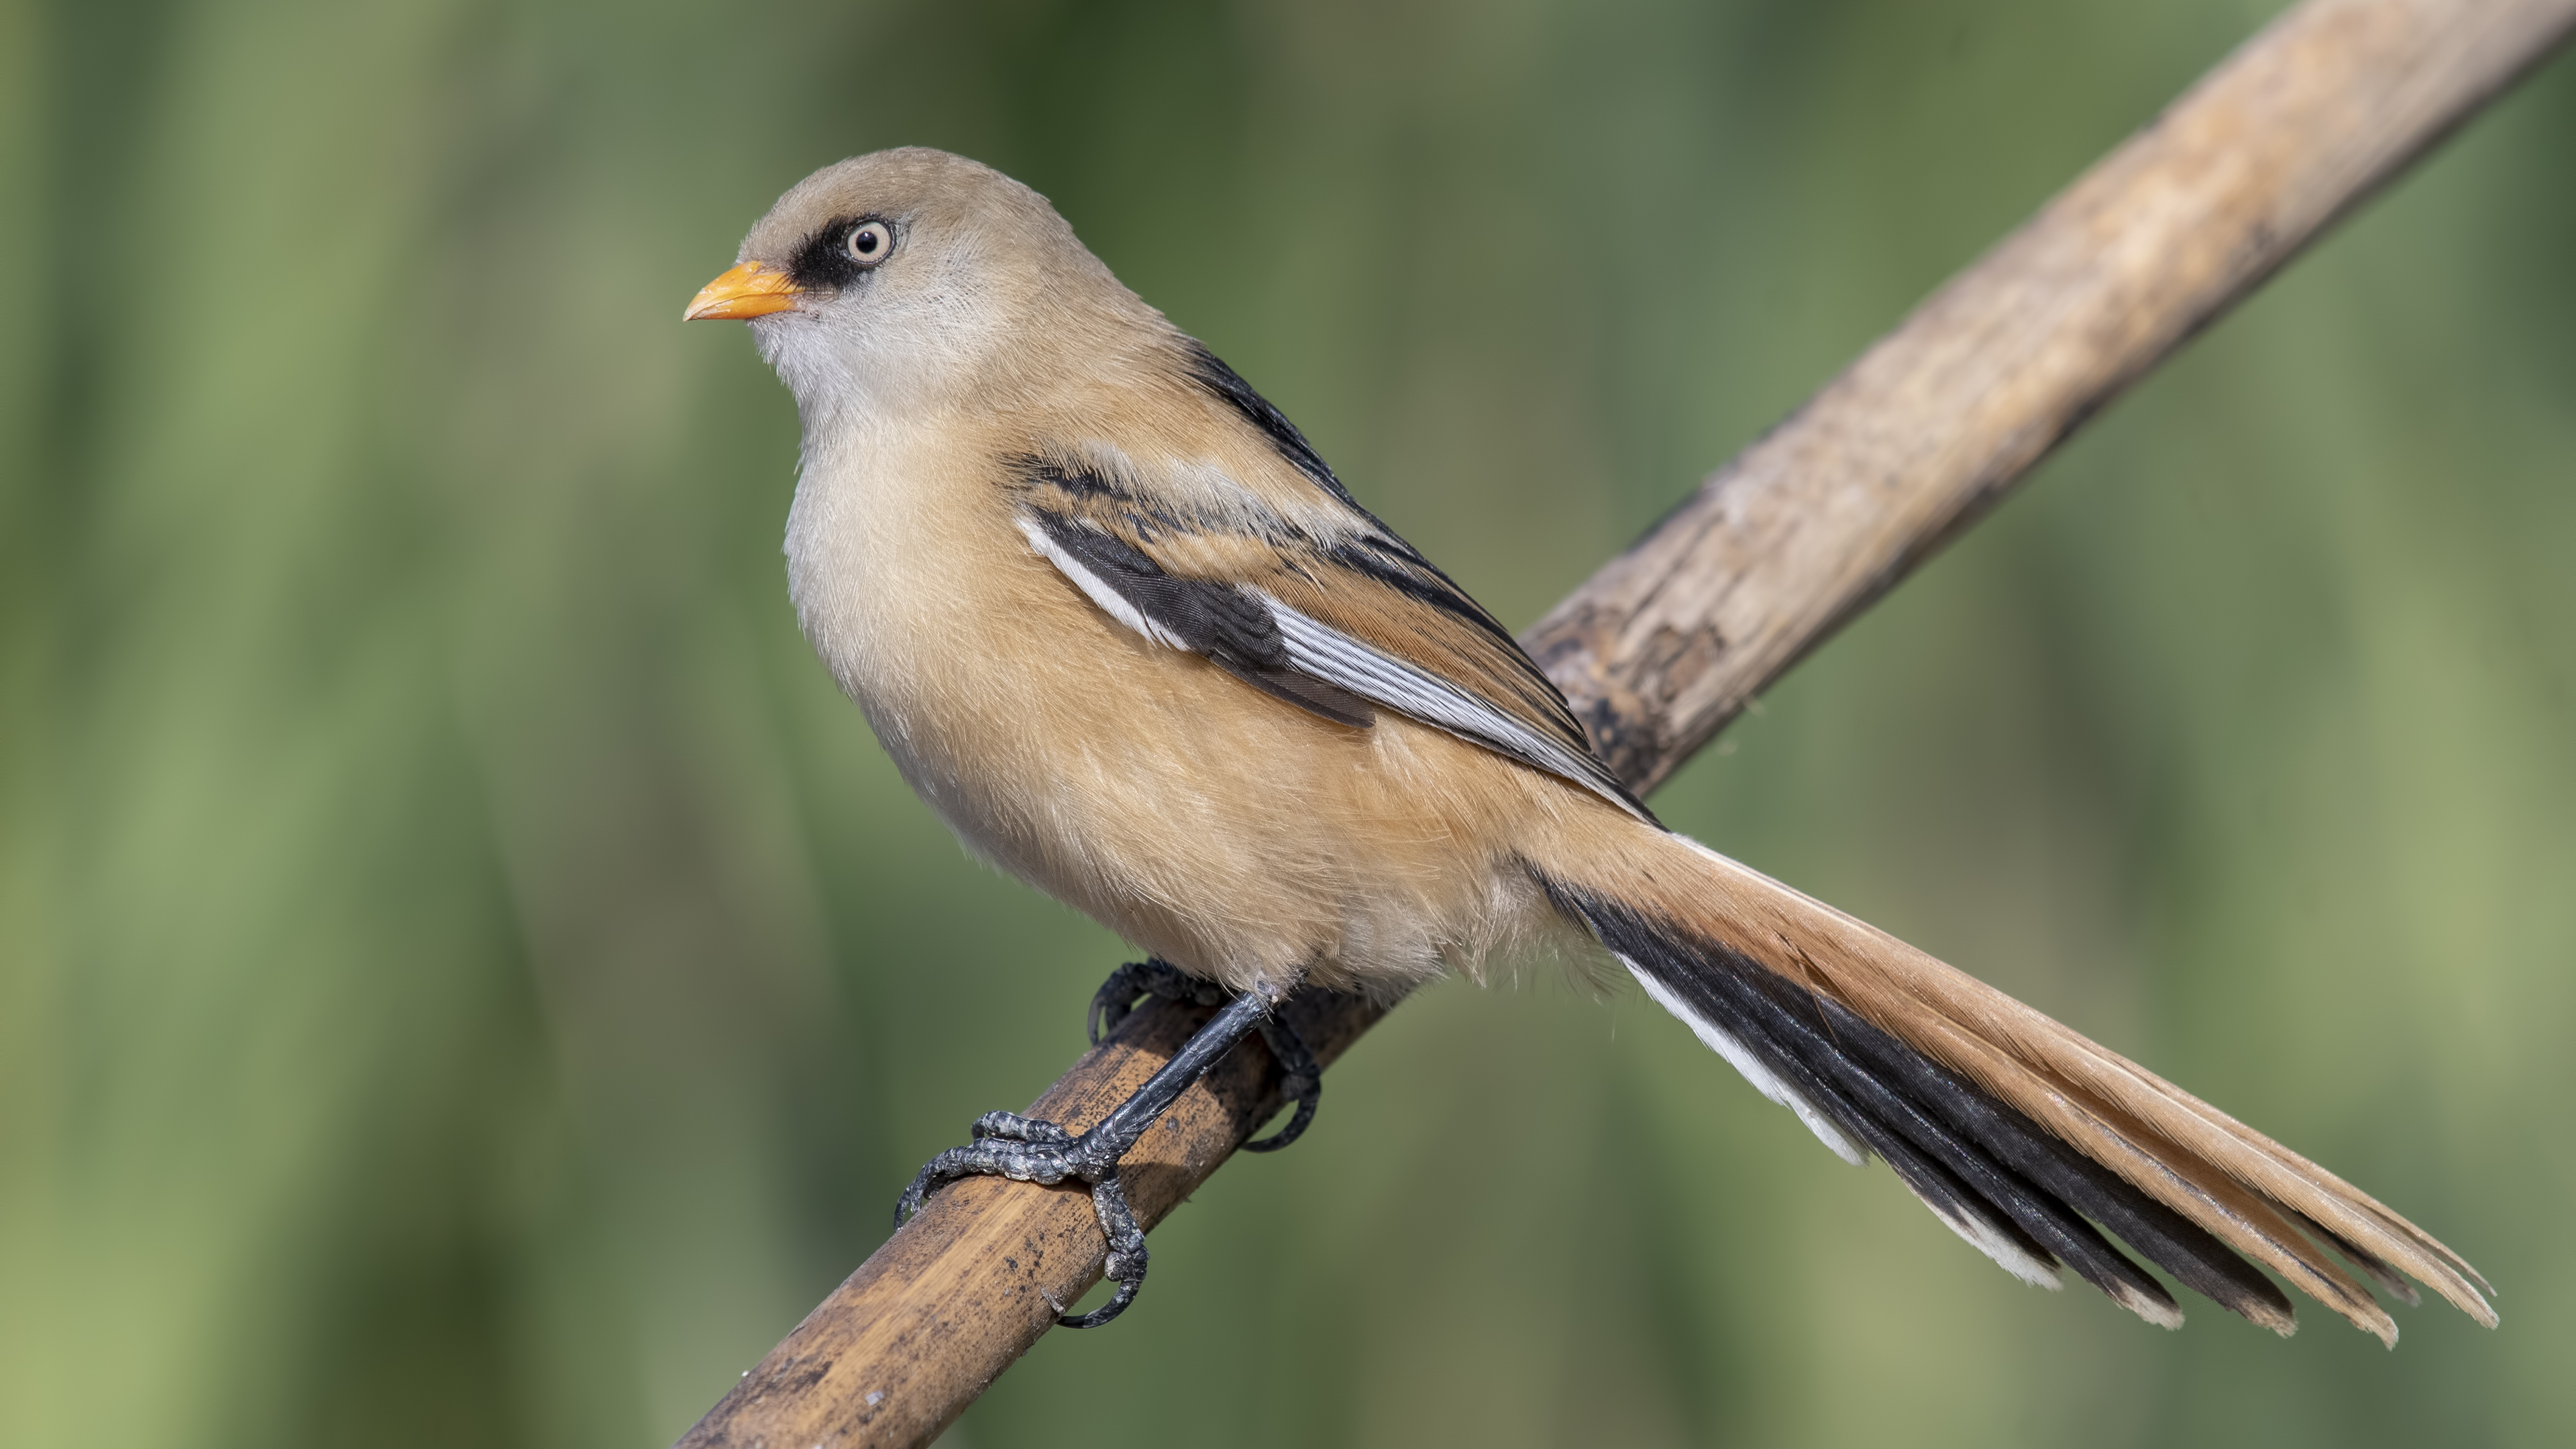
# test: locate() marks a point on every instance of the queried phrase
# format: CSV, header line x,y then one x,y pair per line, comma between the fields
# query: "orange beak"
x,y
748,291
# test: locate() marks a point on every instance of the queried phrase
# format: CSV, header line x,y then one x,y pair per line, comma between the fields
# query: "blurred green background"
x,y
466,978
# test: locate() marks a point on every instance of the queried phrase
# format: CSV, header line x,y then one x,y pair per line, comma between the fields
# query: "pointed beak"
x,y
748,291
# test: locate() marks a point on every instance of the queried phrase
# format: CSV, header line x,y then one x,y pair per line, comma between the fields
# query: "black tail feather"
x,y
1854,1055
1960,1187
1967,1153
2163,1236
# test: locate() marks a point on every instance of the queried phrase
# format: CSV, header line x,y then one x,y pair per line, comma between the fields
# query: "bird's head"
x,y
892,279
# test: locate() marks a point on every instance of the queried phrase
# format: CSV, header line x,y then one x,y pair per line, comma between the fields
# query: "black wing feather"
x,y
1234,630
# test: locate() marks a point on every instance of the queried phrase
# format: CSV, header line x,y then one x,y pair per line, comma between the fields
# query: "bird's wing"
x,y
1340,620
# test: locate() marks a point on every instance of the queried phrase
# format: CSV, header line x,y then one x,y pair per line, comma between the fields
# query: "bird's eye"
x,y
869,242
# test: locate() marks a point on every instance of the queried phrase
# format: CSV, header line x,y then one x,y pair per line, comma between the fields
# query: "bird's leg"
x,y
1025,1149
1304,1080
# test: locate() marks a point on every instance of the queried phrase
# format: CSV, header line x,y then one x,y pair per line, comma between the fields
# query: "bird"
x,y
1125,632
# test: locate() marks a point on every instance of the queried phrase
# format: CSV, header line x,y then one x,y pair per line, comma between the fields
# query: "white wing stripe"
x,y
1336,657
1109,599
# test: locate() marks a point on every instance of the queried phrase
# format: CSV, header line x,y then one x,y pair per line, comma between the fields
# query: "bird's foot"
x,y
1027,1149
1133,982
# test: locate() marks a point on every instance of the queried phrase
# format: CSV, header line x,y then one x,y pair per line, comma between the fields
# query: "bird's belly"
x,y
1228,832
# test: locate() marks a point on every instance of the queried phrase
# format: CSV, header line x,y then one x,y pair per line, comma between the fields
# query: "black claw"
x,y
1133,982
1303,1084
1126,1262
1110,1005
910,1203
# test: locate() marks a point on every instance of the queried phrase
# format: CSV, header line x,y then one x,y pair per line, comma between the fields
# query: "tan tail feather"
x,y
2370,1265
2186,1182
2254,1159
2236,1182
2167,1173
2317,1274
2290,1181
2153,1109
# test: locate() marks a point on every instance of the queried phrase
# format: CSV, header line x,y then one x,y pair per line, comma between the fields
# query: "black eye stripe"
x,y
823,261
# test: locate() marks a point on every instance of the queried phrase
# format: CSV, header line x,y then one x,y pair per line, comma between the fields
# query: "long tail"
x,y
2019,1133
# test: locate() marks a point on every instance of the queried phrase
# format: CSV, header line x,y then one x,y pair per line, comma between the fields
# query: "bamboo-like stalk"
x,y
1662,646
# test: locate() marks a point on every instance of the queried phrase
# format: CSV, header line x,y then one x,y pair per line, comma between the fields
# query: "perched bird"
x,y
1121,627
